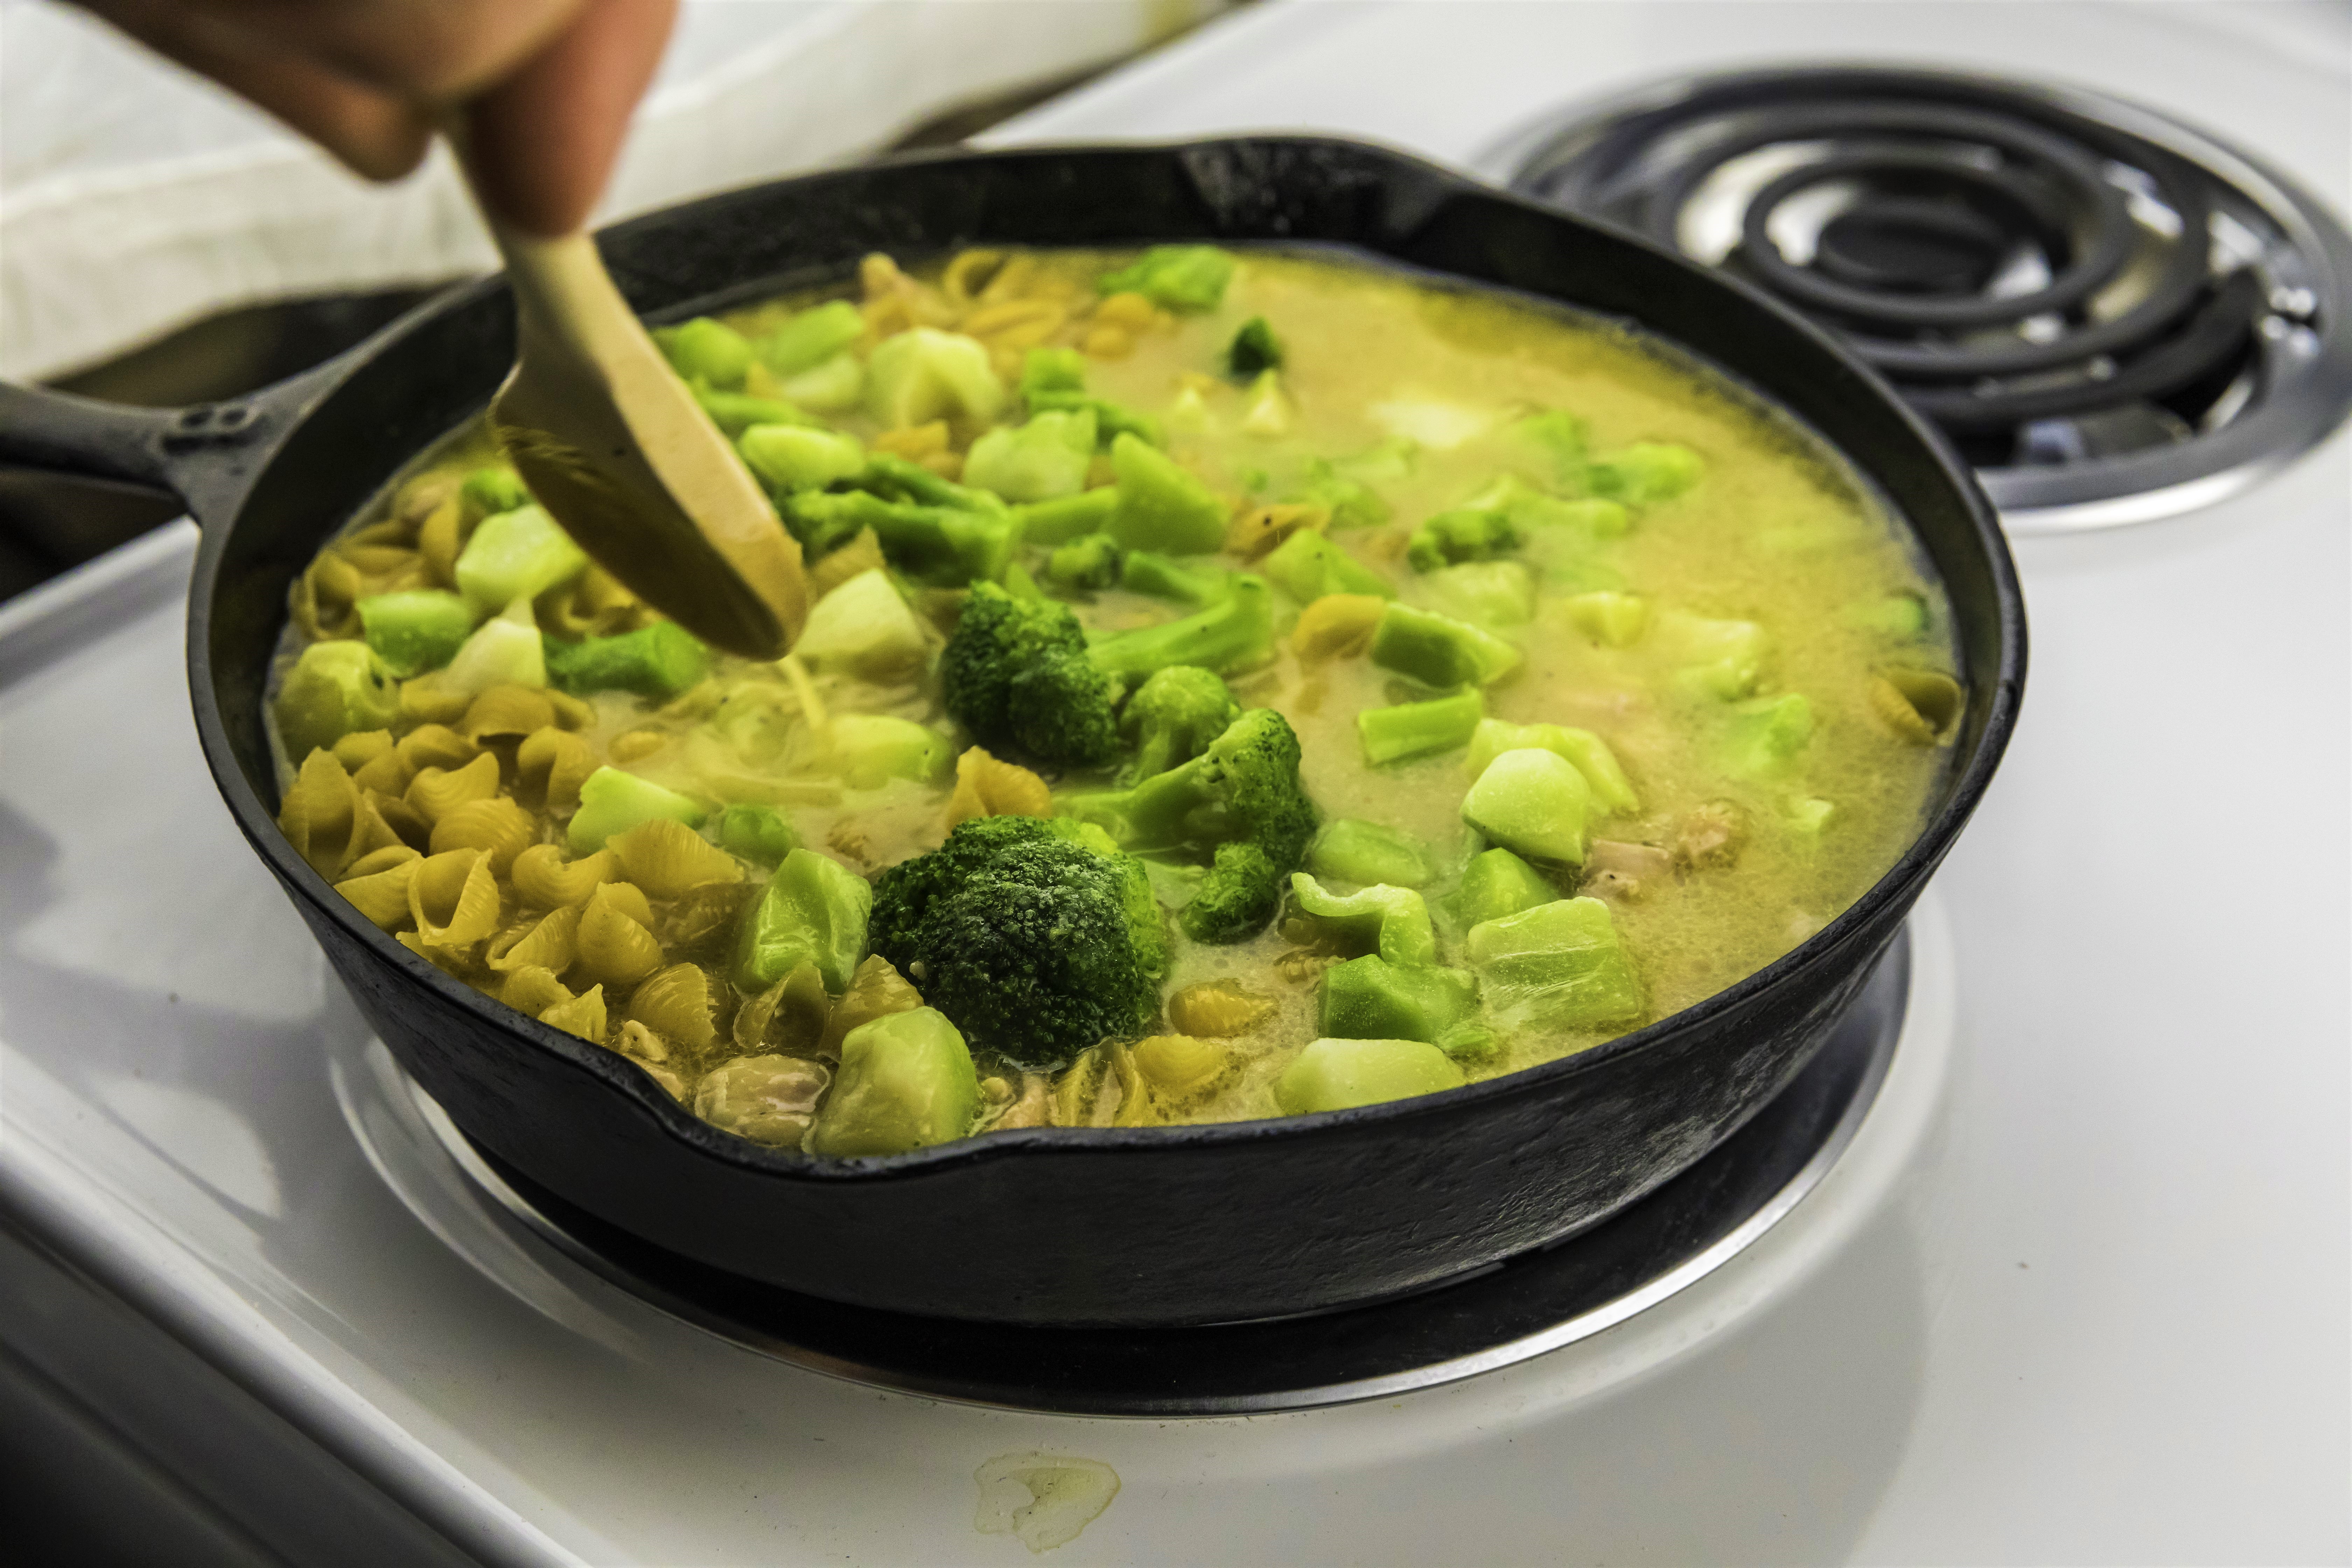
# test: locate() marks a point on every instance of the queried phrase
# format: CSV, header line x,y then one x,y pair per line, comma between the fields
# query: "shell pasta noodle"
x,y
1237,684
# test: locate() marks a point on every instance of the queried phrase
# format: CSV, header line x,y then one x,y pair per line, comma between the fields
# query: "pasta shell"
x,y
1216,1011
583,1015
675,1002
641,1044
454,899
506,712
434,792
635,746
429,700
614,948
549,943
545,879
1260,528
436,746
416,498
453,961
550,766
876,991
987,786
630,899
316,812
401,817
383,860
381,892
497,826
376,561
1178,1062
532,990
1337,626
371,833
330,590
440,537
390,772
570,712
1917,704
356,749
669,859
791,1013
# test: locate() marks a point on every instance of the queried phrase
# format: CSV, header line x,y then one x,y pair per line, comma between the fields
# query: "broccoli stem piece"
x,y
1043,459
1184,277
760,833
517,555
1054,380
1558,966
1534,801
1645,473
335,688
1405,730
1338,1075
1438,650
937,546
707,350
1391,921
1162,577
813,910
787,457
658,661
922,373
907,1083
1588,750
1461,533
1308,566
1053,522
1161,505
1495,883
812,337
736,412
614,802
415,629
1370,998
1234,633
1353,850
1084,564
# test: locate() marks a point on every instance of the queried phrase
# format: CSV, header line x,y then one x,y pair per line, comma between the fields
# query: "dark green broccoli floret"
x,y
1060,706
1244,789
1253,350
1087,563
1465,533
1174,716
1240,894
1034,941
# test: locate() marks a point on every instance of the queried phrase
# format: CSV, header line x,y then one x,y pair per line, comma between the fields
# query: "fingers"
x,y
436,50
544,140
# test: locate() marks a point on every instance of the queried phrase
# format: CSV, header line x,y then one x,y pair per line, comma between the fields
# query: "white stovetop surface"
x,y
2101,1315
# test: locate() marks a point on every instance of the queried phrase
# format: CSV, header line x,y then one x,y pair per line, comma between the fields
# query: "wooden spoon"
x,y
618,451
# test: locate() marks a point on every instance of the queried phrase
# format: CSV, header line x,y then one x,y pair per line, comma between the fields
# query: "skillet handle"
x,y
201,454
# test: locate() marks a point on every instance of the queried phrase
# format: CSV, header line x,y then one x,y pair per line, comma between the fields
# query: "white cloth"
x,y
135,196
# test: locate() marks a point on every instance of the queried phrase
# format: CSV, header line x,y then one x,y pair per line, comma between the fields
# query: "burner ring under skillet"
x,y
1495,1317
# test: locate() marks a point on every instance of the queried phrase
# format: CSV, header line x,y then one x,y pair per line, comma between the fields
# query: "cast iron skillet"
x,y
1164,1226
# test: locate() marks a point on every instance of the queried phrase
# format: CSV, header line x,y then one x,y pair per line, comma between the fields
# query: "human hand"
x,y
546,87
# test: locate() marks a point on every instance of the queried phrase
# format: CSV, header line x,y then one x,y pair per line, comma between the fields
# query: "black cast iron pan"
x,y
1170,1225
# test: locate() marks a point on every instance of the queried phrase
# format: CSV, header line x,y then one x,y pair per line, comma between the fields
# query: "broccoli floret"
x,y
1035,942
1060,705
1240,894
1180,277
1054,380
1253,350
937,546
1234,633
1174,716
1091,562
1462,533
1244,789
1016,673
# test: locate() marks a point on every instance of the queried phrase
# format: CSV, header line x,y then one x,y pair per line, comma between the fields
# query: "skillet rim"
x,y
1899,882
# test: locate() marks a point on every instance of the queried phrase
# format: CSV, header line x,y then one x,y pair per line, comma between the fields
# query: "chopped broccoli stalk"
x,y
1558,966
1900,615
906,1082
1350,849
1438,650
1163,577
1718,658
1464,533
1236,899
614,802
1043,459
1351,502
1809,815
491,490
1495,883
1645,473
706,350
1391,921
736,412
1112,420
1487,593
1051,371
335,688
1253,350
1589,751
1550,448
1613,620
1534,801
1036,943
1060,708
922,373
1178,276
1767,733
505,650
864,627
1084,564
658,661
1244,789
1368,998
835,386
760,833
1053,522
415,629
517,555
1162,506
789,458
1308,566
1174,717
894,478
937,546
1234,633
1338,1075
812,337
813,910
1266,409
1405,730
869,750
